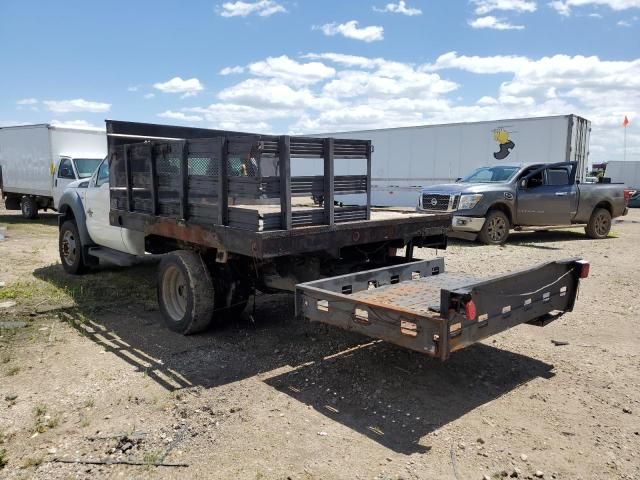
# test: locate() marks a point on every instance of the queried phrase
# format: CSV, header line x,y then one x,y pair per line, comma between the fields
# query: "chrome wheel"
x,y
497,229
174,293
602,225
69,248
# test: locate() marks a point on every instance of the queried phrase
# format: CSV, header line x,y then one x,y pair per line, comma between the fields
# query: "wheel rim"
x,y
602,225
69,247
497,229
174,293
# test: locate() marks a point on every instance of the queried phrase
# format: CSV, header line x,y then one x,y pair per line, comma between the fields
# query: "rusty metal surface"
x,y
421,296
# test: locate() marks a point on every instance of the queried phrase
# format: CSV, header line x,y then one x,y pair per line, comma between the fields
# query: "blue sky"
x,y
311,66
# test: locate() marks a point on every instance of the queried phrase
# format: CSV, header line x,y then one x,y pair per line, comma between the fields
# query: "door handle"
x,y
561,194
56,183
90,212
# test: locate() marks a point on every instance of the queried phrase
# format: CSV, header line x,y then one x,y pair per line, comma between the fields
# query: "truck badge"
x,y
434,202
501,136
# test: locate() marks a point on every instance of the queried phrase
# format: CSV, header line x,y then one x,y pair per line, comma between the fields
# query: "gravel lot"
x,y
88,372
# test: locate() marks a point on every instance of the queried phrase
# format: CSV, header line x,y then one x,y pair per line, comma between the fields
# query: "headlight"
x,y
469,201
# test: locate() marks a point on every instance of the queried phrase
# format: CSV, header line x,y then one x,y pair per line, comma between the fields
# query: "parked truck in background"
x,y
490,201
166,190
37,163
624,171
407,159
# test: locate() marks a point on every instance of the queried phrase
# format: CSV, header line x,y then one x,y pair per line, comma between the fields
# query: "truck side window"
x,y
557,176
103,174
536,180
65,170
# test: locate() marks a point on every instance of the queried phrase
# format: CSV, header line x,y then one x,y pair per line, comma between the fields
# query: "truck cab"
x,y
69,169
84,219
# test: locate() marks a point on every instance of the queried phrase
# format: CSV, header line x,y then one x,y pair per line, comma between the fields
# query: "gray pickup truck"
x,y
491,201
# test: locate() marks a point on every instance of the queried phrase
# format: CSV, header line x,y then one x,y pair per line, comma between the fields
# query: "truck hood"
x,y
82,183
454,188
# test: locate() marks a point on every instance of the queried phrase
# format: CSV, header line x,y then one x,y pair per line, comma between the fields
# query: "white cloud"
x,y
231,70
27,101
494,23
400,7
291,71
149,95
134,88
487,6
350,29
180,116
82,124
188,88
623,23
76,105
563,7
476,64
262,8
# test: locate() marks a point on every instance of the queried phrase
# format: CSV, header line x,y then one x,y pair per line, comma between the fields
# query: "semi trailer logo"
x,y
501,136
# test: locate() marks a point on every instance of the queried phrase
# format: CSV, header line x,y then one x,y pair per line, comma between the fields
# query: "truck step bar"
x,y
419,306
114,257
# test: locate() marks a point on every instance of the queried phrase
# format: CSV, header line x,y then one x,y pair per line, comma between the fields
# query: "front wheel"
x,y
185,292
495,230
29,207
599,224
70,249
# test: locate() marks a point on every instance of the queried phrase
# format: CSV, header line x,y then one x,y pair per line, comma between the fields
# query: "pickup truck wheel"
x,y
599,224
71,249
29,208
185,292
495,229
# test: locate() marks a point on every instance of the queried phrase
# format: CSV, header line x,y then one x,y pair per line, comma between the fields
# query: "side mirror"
x,y
523,183
458,179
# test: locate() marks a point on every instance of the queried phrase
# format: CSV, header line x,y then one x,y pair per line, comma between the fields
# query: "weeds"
x,y
32,462
13,371
44,422
3,458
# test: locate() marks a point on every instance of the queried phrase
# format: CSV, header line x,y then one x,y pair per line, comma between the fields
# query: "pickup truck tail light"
x,y
470,310
627,195
583,265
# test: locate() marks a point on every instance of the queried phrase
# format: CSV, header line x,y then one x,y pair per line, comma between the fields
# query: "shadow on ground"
x,y
392,395
50,218
537,239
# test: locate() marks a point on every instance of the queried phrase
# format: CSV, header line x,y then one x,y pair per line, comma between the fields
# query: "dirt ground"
x,y
88,372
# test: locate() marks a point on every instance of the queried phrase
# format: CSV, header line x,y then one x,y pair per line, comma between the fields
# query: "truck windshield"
x,y
86,166
491,175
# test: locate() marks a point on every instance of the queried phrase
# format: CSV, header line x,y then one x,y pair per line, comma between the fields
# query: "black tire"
x,y
12,203
29,208
495,230
599,224
185,292
70,249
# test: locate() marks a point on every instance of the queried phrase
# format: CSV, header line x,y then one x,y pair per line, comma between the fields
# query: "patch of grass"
x,y
13,371
89,403
32,462
43,421
3,458
152,457
6,358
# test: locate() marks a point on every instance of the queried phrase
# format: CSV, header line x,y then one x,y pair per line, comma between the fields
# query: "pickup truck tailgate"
x,y
419,306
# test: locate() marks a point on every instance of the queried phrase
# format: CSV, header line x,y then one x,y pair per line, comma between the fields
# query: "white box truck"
x,y
408,158
37,162
627,172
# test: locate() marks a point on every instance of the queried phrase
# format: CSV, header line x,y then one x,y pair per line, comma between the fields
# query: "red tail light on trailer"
x,y
584,268
470,310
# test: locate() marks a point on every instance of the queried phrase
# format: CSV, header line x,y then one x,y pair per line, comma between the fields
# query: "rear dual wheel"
x,y
191,299
29,207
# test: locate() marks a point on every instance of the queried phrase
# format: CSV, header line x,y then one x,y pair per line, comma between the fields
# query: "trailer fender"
x,y
71,208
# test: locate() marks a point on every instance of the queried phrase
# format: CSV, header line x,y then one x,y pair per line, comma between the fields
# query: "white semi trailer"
x,y
627,172
409,158
37,162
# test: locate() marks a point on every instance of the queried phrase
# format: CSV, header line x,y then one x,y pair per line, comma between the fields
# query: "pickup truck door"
x,y
63,175
549,197
96,207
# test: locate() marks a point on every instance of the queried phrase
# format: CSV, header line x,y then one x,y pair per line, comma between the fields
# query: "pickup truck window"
x,y
66,170
103,174
557,176
490,175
